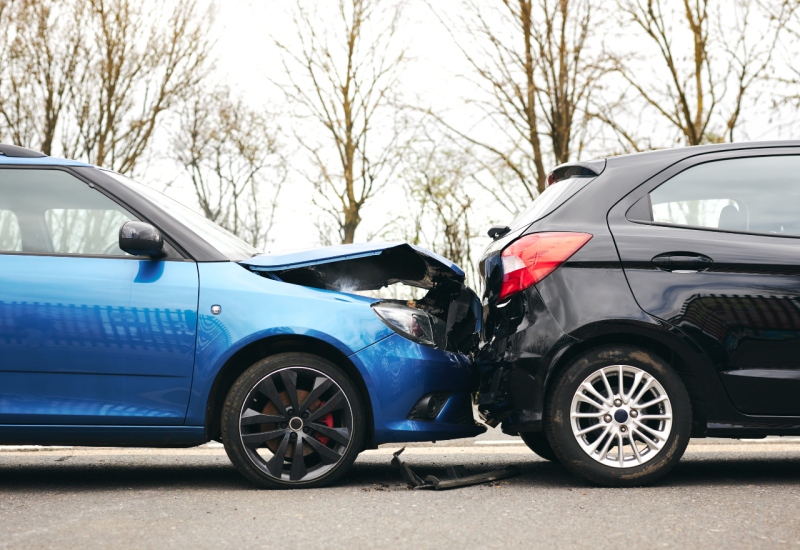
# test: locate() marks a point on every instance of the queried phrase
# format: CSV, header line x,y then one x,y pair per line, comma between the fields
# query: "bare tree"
x,y
342,75
709,55
538,73
6,20
232,156
438,177
570,73
142,67
5,8
44,62
787,81
99,73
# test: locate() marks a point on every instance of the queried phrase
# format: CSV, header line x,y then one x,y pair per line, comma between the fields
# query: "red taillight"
x,y
534,257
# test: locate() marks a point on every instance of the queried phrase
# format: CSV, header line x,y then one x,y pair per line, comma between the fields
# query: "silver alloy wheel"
x,y
621,416
296,424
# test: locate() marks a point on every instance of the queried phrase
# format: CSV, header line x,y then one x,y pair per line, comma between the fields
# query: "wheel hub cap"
x,y
641,413
296,424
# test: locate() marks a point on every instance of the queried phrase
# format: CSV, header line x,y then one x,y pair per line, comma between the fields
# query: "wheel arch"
x,y
663,345
273,345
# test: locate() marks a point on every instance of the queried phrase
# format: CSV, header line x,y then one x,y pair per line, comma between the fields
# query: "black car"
x,y
645,299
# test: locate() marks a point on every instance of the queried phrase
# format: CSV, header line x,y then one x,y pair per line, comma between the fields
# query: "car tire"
x,y
586,429
538,443
290,398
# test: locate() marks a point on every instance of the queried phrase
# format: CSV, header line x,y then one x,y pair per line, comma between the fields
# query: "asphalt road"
x,y
720,495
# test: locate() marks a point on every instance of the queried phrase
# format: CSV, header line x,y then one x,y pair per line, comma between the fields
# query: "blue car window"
x,y
10,240
56,212
224,241
84,231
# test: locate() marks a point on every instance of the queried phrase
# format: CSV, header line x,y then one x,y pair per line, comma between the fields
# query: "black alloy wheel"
x,y
293,420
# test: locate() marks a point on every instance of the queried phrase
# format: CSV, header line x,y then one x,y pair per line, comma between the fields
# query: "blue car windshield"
x,y
223,240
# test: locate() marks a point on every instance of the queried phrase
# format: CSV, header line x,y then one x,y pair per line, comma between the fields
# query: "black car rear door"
x,y
712,246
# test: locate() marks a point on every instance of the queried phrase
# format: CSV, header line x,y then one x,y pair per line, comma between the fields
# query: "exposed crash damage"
x,y
517,335
447,317
520,334
427,374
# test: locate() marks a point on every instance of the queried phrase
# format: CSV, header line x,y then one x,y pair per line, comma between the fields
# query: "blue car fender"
x,y
253,308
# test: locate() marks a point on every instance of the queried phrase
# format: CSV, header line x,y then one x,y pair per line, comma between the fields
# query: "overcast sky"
x,y
248,59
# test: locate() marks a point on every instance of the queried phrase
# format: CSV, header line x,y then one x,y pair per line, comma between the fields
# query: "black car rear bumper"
x,y
513,367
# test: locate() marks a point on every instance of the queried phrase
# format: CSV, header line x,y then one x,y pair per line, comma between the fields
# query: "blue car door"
x,y
88,333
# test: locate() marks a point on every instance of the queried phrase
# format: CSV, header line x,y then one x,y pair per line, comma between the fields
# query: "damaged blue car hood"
x,y
367,266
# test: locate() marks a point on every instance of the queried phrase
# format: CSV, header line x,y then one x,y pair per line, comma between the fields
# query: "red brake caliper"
x,y
328,421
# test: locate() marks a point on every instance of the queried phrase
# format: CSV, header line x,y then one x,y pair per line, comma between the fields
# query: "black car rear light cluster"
x,y
533,257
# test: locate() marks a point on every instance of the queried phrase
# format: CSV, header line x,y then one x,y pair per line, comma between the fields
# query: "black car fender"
x,y
671,344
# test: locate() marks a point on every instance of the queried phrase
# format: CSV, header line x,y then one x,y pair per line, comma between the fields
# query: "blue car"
x,y
127,319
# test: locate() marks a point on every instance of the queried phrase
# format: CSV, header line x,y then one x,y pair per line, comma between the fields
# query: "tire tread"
x,y
242,386
586,467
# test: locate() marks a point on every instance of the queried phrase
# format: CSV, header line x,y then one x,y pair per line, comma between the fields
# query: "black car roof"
x,y
624,173
680,153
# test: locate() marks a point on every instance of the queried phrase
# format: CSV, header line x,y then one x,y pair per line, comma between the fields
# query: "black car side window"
x,y
754,195
51,211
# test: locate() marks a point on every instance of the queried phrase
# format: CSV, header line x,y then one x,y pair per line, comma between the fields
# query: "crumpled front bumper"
x,y
398,372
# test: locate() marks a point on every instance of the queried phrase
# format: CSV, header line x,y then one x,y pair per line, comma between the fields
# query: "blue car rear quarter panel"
x,y
255,307
400,372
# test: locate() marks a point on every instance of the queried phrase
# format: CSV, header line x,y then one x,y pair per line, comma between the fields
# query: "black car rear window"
x,y
552,197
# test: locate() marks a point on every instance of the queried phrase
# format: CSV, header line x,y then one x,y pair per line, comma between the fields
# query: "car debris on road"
x,y
456,476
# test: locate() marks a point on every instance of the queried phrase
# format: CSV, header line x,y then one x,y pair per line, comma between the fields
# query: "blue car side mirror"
x,y
140,239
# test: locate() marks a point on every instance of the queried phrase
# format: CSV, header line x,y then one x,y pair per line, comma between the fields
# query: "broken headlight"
x,y
411,323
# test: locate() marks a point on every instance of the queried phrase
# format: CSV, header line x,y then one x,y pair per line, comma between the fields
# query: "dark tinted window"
x,y
758,195
550,199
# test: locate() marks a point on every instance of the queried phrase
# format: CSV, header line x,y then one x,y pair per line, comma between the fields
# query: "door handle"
x,y
682,262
